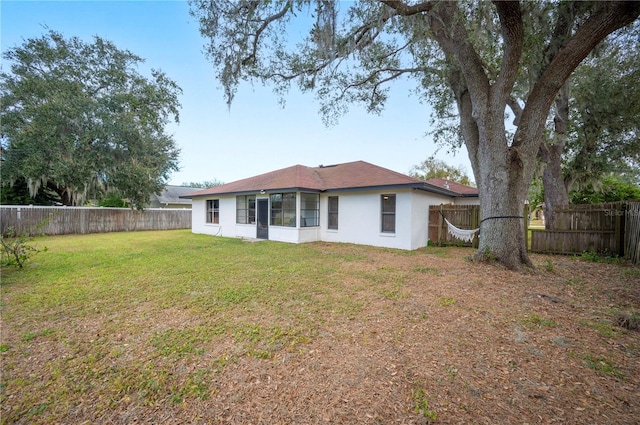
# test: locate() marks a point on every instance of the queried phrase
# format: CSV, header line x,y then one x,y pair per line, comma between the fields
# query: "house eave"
x,y
373,188
419,186
255,192
436,189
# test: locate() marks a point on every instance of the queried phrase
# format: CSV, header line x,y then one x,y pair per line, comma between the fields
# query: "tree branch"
x,y
515,108
404,9
468,125
395,73
452,37
608,17
513,35
252,56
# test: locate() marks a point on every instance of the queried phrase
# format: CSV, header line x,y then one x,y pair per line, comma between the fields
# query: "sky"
x,y
256,135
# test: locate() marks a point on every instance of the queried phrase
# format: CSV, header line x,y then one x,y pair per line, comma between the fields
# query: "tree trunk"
x,y
62,192
504,178
555,191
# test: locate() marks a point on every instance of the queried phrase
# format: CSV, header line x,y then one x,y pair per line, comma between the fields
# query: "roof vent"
x,y
446,185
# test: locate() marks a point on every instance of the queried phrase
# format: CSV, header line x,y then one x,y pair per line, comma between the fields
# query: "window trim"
x,y
385,214
304,220
248,212
333,213
278,215
212,211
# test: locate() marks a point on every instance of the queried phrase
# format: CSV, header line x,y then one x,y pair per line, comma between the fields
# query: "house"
x,y
355,202
172,197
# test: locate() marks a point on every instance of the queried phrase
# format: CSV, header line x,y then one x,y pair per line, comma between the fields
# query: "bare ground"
x,y
454,342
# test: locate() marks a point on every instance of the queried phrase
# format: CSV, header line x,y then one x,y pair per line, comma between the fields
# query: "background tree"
x,y
18,194
435,168
469,53
609,188
78,119
596,125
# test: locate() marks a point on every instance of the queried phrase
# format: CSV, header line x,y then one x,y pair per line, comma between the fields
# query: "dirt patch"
x,y
429,337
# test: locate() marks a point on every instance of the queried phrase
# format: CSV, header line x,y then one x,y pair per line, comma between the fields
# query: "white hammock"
x,y
462,234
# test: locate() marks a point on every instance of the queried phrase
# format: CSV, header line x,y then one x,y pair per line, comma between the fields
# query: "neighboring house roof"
x,y
347,176
459,188
174,195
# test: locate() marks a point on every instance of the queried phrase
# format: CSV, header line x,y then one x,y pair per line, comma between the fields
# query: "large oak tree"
x,y
78,118
596,123
472,53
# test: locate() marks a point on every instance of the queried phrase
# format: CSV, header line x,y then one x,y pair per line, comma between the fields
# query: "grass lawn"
x,y
172,327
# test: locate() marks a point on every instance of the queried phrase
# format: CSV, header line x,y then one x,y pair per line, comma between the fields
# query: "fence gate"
x,y
462,216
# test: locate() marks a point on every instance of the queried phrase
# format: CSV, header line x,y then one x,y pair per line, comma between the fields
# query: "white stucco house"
x,y
355,202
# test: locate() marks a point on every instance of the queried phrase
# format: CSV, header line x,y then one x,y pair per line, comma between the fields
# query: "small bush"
x,y
421,404
446,301
595,257
629,321
16,248
535,321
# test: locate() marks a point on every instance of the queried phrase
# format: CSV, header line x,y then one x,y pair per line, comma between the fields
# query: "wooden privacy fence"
x,y
580,228
632,232
80,220
462,216
610,228
465,217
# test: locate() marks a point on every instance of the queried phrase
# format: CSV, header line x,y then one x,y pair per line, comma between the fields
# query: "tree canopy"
x,y
79,119
604,114
594,131
609,188
487,59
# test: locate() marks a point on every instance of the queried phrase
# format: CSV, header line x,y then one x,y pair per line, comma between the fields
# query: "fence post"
x,y
440,222
620,225
475,223
525,215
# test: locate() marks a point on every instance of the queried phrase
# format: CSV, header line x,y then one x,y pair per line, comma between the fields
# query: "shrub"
x,y
16,248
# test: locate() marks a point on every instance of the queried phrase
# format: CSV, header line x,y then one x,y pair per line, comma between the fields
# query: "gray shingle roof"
x,y
173,194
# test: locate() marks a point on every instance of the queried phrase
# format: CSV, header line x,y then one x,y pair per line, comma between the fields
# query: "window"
x,y
283,209
213,211
309,210
388,213
246,209
333,213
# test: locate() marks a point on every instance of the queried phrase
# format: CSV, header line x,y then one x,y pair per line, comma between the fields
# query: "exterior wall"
x,y
359,219
420,218
229,228
310,234
467,201
226,226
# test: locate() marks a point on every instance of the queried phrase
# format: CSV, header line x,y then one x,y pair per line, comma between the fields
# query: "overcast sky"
x,y
256,135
